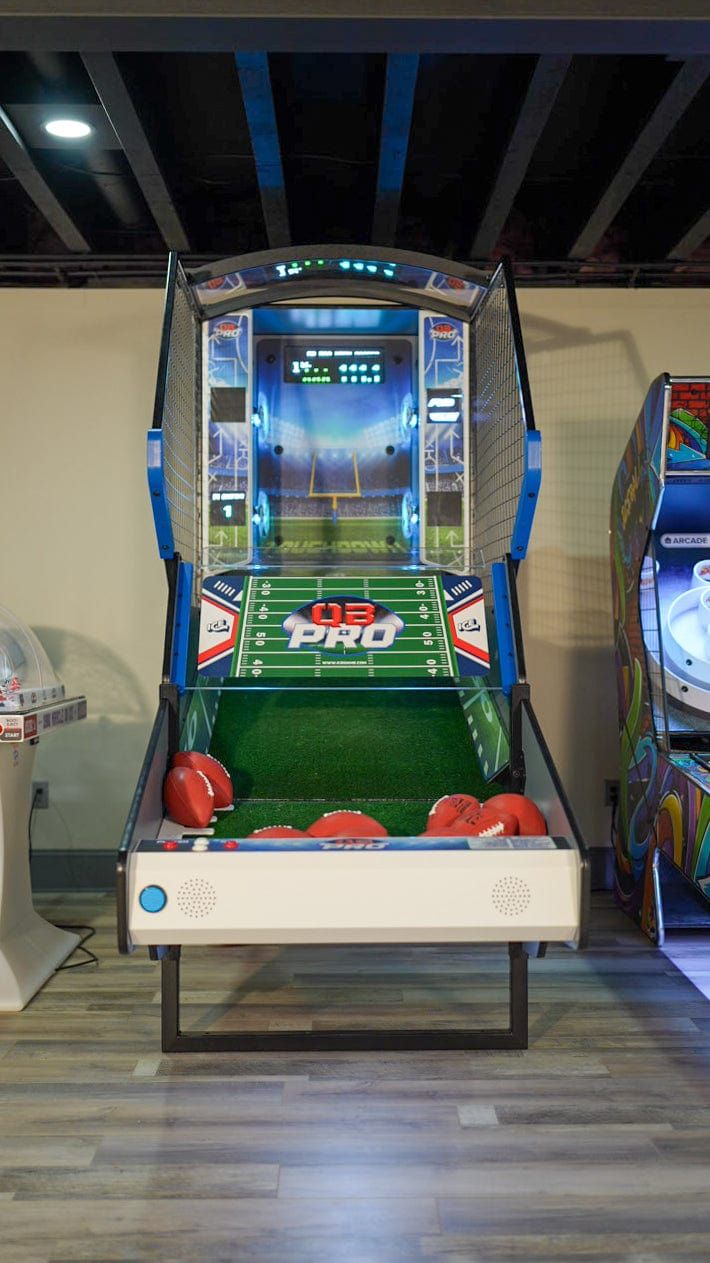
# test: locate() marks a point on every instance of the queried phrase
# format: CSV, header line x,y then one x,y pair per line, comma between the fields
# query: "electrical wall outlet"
x,y
611,793
40,795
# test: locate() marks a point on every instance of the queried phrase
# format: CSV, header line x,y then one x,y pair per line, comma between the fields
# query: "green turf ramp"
x,y
296,754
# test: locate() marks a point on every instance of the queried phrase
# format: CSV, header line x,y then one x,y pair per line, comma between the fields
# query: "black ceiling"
x,y
584,168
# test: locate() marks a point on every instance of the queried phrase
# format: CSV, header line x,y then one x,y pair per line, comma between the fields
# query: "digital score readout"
x,y
352,365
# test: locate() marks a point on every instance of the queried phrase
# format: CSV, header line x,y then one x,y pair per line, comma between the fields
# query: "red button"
x,y
170,846
231,846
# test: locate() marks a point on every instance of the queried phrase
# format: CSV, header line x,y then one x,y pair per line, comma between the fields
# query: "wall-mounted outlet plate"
x,y
40,795
611,793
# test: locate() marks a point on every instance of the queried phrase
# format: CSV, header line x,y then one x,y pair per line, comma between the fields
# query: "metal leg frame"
x,y
175,1040
680,904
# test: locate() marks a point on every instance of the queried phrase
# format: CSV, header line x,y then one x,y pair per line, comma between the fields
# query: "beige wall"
x,y
591,357
79,560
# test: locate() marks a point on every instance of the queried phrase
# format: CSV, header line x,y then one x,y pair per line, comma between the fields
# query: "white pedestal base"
x,y
30,948
29,955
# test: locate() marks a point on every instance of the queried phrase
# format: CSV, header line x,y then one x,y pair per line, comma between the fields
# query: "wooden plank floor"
x,y
594,1145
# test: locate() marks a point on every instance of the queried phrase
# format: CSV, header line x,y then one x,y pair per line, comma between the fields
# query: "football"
x,y
188,797
277,831
449,808
347,824
216,774
531,822
489,822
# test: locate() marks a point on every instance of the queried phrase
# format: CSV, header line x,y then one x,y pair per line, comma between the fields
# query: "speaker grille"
x,y
196,898
511,895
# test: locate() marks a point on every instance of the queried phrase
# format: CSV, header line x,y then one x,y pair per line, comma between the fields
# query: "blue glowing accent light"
x,y
345,265
359,267
152,898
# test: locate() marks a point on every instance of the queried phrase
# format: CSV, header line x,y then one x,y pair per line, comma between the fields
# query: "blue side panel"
x,y
181,628
158,498
529,492
504,626
466,616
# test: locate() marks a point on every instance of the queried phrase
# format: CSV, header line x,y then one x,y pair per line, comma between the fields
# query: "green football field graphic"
x,y
421,651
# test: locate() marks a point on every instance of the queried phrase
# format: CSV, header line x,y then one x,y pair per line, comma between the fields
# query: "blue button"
x,y
152,899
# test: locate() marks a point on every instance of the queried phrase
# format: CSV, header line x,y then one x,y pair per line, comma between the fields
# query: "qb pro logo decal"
x,y
443,331
342,625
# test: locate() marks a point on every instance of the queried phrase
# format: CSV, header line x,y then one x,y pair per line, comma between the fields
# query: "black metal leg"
x,y
461,1038
518,995
170,1000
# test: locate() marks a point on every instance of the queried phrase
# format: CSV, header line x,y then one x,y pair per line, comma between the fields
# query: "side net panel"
x,y
499,424
181,425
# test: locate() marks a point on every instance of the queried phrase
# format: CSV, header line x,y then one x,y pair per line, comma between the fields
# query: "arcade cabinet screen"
x,y
228,508
680,570
444,508
228,405
334,365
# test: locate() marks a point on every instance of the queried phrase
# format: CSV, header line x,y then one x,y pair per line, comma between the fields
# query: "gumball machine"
x,y
33,705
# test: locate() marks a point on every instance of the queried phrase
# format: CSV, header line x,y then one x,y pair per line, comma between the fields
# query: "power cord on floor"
x,y
612,823
33,808
91,958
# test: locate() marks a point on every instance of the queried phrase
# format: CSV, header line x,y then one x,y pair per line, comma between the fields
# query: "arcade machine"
x,y
661,586
343,467
32,705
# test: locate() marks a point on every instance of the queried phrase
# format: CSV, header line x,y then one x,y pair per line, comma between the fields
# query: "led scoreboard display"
x,y
334,365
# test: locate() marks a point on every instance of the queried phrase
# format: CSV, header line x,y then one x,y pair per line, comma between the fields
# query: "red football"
x,y
216,774
531,822
449,808
277,831
189,797
489,822
347,824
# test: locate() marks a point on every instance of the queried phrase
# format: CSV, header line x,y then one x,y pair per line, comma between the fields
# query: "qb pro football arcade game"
x,y
661,582
343,468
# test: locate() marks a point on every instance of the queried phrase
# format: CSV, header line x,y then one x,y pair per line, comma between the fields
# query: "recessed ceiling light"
x,y
67,128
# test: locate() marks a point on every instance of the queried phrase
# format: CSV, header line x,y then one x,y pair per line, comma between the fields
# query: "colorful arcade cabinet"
x,y
660,538
343,468
32,705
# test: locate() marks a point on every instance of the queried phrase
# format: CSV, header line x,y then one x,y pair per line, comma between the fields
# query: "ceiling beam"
x,y
15,155
687,83
400,84
255,82
121,112
692,239
539,99
459,26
